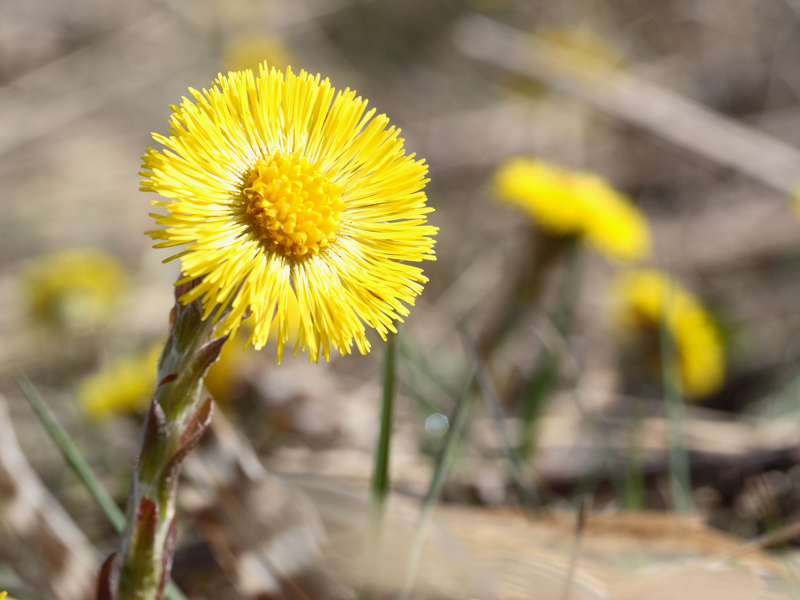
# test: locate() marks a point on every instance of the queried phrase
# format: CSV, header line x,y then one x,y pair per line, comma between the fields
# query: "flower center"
x,y
295,208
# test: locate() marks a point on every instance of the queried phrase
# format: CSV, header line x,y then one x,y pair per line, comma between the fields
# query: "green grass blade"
x,y
534,394
173,592
435,489
634,468
71,453
424,388
486,386
420,363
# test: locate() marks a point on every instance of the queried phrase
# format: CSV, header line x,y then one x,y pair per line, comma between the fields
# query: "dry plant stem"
x,y
177,418
546,249
583,516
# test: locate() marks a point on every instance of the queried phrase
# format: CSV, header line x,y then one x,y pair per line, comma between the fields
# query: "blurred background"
x,y
690,109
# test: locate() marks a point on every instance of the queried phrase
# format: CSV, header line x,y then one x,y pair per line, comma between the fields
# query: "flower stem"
x,y
546,373
679,469
380,479
176,420
380,474
546,250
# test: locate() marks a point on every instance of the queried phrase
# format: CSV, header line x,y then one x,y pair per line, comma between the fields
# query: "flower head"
x,y
126,384
249,52
796,201
75,289
645,298
280,187
581,51
572,203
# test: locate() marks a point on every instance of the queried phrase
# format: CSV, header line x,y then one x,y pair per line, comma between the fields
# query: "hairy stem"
x,y
177,418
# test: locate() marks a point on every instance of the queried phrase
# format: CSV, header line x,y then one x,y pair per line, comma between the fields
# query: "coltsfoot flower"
x,y
643,298
282,187
248,52
573,203
796,201
581,51
124,385
76,289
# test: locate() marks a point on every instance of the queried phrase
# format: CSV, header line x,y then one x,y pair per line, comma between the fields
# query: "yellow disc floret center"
x,y
296,209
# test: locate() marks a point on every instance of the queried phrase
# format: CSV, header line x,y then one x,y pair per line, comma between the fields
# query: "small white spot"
x,y
437,424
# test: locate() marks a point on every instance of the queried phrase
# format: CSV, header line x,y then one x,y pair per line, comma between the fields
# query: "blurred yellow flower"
x,y
249,52
223,374
282,187
573,203
75,289
645,298
796,201
582,49
126,384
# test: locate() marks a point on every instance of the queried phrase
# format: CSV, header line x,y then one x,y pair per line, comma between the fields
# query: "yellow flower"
x,y
583,51
282,187
126,384
223,375
645,298
573,203
77,288
249,52
796,201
